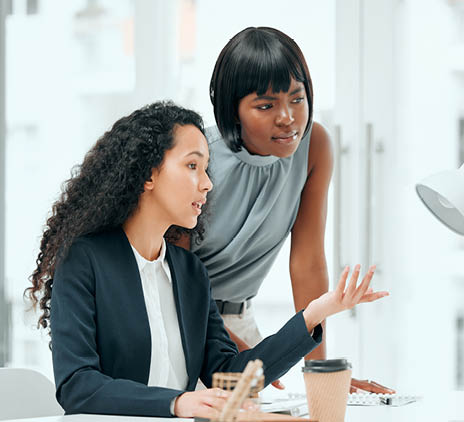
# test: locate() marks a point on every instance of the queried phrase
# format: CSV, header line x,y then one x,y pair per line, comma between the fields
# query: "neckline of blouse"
x,y
254,159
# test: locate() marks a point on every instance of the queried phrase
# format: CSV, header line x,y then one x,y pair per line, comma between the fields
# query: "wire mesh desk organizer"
x,y
229,380
244,385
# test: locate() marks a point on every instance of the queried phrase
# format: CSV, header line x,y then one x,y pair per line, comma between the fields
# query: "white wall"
x,y
68,82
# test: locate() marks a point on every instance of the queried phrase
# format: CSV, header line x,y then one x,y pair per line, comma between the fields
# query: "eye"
x,y
298,100
192,166
264,107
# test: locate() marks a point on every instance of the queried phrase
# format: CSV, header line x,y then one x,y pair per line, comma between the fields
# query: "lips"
x,y
198,204
285,137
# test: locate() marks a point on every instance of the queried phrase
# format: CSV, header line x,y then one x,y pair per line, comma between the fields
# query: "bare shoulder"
x,y
320,148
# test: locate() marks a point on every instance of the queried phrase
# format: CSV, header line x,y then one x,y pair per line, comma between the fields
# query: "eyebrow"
x,y
198,153
269,97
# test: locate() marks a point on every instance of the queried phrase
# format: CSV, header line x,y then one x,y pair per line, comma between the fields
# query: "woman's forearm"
x,y
305,290
237,340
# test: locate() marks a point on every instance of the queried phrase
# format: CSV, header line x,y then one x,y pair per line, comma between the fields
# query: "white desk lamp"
x,y
443,195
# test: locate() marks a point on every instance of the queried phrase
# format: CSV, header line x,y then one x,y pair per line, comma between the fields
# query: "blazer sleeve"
x,y
81,387
278,352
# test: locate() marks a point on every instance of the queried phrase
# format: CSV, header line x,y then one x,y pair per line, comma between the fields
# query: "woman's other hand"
x,y
202,403
342,298
369,386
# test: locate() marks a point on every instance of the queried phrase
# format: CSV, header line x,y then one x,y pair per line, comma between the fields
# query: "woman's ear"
x,y
150,183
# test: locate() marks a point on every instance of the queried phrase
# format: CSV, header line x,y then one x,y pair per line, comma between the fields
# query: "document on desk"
x,y
296,404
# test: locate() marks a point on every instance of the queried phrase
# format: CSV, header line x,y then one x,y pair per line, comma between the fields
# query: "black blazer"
x,y
101,342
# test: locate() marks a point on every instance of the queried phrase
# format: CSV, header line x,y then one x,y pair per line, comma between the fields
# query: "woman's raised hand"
x,y
342,298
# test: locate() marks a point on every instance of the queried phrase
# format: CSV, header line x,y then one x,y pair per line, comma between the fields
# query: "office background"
x,y
388,78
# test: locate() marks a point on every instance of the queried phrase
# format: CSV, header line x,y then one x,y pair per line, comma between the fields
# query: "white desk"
x,y
448,407
436,407
98,418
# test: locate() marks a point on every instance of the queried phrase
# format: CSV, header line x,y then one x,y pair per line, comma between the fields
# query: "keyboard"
x,y
296,404
371,399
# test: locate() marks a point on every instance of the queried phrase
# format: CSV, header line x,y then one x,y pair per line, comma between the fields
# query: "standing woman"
x,y
271,166
133,325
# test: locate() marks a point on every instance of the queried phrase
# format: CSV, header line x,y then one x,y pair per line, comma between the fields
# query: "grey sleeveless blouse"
x,y
252,208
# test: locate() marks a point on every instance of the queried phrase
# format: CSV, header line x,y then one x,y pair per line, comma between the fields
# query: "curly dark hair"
x,y
104,190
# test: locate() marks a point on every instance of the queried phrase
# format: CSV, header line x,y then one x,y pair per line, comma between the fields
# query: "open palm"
x,y
343,297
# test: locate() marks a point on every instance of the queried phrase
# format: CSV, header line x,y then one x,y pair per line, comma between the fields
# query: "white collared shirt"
x,y
167,365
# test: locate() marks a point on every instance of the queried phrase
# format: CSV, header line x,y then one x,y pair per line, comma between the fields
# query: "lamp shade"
x,y
443,195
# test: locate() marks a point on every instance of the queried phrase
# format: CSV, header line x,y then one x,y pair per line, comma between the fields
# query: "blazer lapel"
x,y
176,276
124,296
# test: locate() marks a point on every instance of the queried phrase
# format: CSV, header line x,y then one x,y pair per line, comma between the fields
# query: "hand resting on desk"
x,y
205,403
370,386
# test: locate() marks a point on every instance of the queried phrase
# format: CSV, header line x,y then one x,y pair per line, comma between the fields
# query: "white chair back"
x,y
25,393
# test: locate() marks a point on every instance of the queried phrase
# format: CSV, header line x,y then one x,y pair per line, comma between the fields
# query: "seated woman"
x,y
133,324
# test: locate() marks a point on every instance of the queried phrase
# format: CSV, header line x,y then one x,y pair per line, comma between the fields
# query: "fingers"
x,y
203,403
277,384
381,389
371,297
207,413
356,390
215,397
250,405
342,282
370,386
353,281
361,290
218,392
363,293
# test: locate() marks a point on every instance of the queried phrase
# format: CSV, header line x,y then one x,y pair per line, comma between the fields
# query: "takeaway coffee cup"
x,y
327,387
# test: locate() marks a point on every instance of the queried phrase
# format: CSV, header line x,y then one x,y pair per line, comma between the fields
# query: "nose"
x,y
284,116
205,184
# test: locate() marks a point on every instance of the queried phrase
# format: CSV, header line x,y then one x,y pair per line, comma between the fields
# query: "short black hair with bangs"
x,y
255,60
